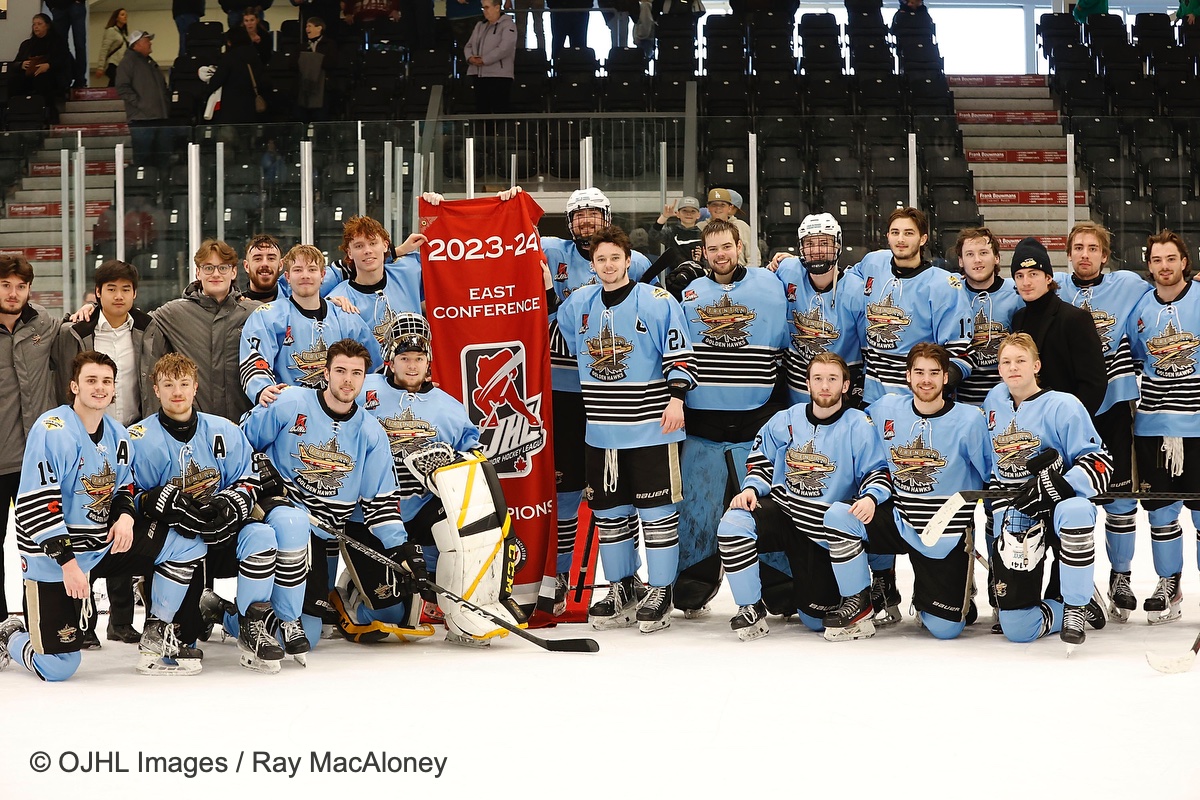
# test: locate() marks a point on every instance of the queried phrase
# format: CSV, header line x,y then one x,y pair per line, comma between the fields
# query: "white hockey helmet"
x,y
410,334
821,225
581,199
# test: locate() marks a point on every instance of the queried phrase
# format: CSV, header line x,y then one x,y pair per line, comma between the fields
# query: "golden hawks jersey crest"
x,y
811,331
1103,321
312,363
1172,351
725,323
325,467
200,483
407,433
885,320
608,353
985,341
806,470
1013,448
99,487
915,466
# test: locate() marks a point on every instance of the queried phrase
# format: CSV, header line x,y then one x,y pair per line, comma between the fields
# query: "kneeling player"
x,y
75,517
207,460
442,486
805,459
935,447
1044,444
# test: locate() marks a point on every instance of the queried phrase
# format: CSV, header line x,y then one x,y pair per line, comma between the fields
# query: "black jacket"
x,y
1069,347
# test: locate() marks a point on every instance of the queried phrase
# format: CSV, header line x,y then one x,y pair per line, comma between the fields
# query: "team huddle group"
x,y
271,434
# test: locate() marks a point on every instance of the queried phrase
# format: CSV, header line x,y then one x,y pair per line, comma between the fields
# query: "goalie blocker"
x,y
477,556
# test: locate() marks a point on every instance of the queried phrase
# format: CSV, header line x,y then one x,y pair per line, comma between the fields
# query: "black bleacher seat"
x,y
729,131
1057,29
25,113
143,183
878,93
729,167
1082,94
1153,31
776,93
871,54
676,56
1071,56
781,164
918,52
284,223
1104,28
291,32
726,96
669,91
879,130
205,35
786,204
1184,219
827,93
1170,172
1132,96
838,170
773,55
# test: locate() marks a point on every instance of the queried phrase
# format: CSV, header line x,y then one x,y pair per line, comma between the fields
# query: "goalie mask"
x,y
582,226
409,334
824,243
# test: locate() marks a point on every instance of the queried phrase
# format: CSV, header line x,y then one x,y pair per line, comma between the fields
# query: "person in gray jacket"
x,y
490,52
206,326
27,333
141,85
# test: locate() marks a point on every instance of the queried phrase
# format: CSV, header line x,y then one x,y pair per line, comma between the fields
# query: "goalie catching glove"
x,y
1045,488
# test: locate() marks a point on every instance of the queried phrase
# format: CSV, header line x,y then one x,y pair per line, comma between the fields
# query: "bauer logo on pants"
x,y
498,403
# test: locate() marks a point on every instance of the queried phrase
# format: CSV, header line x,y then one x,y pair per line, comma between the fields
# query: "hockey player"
x,y
908,300
935,447
735,318
804,459
418,417
1164,331
206,458
825,308
334,457
569,260
75,517
1110,298
635,365
263,259
284,342
380,288
993,300
1045,446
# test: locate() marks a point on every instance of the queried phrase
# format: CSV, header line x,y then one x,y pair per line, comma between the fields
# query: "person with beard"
x,y
27,380
909,301
1110,299
805,459
1163,330
935,448
206,326
262,264
284,341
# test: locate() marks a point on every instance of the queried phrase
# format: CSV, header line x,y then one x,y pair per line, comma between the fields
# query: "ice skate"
x,y
697,613
885,598
158,652
1120,597
259,649
295,641
561,585
750,622
654,611
1093,612
1163,605
7,629
213,609
1072,626
617,609
851,620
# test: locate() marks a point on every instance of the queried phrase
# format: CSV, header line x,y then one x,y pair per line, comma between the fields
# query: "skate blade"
x,y
697,613
861,630
252,662
1171,665
887,617
1171,615
1117,614
462,640
652,625
1071,649
300,658
753,632
150,664
329,631
626,620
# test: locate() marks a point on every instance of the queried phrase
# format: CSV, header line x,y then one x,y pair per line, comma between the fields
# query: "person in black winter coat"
x,y
43,65
233,78
1071,353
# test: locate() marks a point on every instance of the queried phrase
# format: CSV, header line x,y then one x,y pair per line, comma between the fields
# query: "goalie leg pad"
x,y
357,624
470,540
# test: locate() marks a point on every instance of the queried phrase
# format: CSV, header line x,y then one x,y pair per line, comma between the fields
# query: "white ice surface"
x,y
689,711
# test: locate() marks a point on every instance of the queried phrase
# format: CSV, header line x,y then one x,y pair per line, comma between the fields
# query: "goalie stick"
x,y
553,645
936,527
1174,664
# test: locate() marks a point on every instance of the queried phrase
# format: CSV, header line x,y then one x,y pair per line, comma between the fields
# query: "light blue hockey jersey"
x,y
991,312
283,343
1110,302
829,321
330,465
412,420
66,488
399,291
626,356
738,333
1164,338
217,457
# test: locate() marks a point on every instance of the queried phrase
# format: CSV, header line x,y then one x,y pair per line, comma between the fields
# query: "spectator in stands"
x,y
418,23
236,9
569,25
721,206
186,13
113,46
617,14
685,234
240,75
535,9
328,11
490,52
258,35
463,15
364,12
72,16
44,65
912,16
1085,8
141,85
313,62
1188,15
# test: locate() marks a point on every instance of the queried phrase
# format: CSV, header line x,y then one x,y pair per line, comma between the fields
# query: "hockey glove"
x,y
1046,487
682,275
270,482
168,505
414,577
225,517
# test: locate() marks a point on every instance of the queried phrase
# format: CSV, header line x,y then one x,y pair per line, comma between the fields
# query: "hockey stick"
x,y
1174,664
585,560
936,527
553,645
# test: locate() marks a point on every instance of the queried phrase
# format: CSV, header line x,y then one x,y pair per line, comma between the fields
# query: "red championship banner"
x,y
486,304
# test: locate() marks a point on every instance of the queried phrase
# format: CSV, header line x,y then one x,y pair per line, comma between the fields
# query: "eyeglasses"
x,y
208,269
